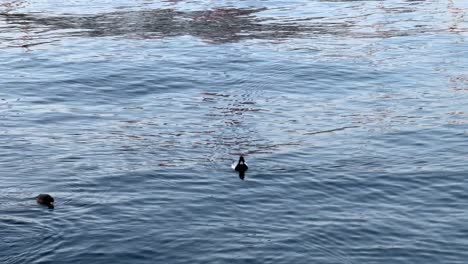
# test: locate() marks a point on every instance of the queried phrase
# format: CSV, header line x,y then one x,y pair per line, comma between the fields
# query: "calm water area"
x,y
352,117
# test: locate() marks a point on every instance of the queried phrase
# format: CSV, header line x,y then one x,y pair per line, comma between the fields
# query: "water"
x,y
352,116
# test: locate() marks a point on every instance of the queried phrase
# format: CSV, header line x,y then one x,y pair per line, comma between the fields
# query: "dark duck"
x,y
45,199
241,167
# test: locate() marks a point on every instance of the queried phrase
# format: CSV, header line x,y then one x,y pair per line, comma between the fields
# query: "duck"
x,y
241,167
45,199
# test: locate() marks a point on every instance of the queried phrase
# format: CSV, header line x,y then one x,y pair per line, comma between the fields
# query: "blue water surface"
x,y
352,116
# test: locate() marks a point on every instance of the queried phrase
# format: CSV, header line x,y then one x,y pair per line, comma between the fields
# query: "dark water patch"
x,y
221,25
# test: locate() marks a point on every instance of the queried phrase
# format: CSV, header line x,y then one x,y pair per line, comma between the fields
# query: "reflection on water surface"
x,y
220,25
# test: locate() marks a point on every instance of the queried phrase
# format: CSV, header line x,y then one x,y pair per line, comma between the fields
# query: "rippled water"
x,y
352,115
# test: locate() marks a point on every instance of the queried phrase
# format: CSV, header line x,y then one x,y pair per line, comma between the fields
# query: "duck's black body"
x,y
241,167
45,199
